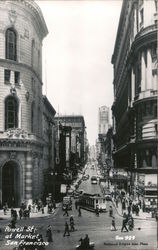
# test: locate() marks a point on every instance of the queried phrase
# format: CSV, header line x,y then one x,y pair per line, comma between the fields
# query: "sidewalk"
x,y
32,215
142,215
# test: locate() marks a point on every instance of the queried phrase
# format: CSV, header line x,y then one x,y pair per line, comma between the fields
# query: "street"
x,y
98,228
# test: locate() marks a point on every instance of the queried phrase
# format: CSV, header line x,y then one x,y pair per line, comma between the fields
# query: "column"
x,y
1,185
28,178
135,22
149,69
143,72
132,84
12,81
35,184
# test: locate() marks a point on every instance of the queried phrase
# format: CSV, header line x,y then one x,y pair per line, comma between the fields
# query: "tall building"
x,y
103,120
135,82
103,126
26,117
77,145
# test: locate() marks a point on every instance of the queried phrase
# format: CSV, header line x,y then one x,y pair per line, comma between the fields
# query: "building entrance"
x,y
10,184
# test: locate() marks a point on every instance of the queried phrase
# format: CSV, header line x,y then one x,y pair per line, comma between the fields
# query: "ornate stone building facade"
x,y
24,112
136,89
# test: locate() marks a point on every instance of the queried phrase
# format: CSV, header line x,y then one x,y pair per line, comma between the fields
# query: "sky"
x,y
77,52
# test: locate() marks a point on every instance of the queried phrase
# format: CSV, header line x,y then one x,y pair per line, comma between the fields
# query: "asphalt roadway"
x,y
144,235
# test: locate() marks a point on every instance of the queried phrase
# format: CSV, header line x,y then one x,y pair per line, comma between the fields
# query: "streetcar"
x,y
92,201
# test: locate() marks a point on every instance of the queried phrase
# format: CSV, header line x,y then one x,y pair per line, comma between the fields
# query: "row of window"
x,y
7,77
15,75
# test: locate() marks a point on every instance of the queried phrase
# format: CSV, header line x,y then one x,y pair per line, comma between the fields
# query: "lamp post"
x,y
53,180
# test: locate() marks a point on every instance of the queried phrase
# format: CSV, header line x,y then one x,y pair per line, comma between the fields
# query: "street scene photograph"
x,y
78,124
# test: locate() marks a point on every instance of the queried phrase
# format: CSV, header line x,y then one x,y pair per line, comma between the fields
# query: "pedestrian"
x,y
129,209
42,209
113,225
26,214
140,204
66,230
12,212
86,242
124,222
20,213
130,223
97,211
81,243
137,209
123,204
66,211
49,233
15,215
130,202
38,207
110,211
79,212
116,200
72,223
76,204
54,204
29,208
13,223
4,210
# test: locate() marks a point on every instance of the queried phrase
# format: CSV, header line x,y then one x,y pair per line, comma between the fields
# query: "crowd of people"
x,y
129,207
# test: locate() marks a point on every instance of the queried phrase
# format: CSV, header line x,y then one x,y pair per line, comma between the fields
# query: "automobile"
x,y
75,185
94,180
81,191
78,193
70,191
107,195
67,202
85,177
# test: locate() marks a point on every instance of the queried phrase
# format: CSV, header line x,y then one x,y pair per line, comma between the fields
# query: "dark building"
x,y
135,90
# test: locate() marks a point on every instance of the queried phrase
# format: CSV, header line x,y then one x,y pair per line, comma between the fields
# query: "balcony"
x,y
18,138
146,30
146,94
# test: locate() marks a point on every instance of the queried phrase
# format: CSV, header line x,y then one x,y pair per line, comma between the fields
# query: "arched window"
x,y
11,112
11,45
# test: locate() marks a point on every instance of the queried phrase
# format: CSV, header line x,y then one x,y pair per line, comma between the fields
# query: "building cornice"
x,y
34,8
144,38
151,98
122,21
49,105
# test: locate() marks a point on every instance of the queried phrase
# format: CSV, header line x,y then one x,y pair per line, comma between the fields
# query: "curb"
x,y
31,215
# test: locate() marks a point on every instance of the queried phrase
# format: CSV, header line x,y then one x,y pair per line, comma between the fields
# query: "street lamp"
x,y
53,180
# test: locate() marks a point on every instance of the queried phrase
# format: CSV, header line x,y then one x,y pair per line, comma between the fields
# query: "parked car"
x,y
84,178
